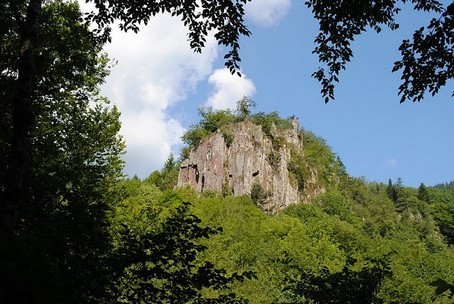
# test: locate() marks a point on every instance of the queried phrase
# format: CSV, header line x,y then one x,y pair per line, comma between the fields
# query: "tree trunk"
x,y
22,114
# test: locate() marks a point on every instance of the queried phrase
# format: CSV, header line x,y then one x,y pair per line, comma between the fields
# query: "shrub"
x,y
298,169
228,137
274,159
258,195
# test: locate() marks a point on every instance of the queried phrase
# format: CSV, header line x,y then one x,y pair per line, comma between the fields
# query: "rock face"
x,y
249,161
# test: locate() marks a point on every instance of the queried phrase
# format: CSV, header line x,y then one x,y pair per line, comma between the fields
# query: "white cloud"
x,y
228,89
392,162
267,13
156,65
150,137
156,69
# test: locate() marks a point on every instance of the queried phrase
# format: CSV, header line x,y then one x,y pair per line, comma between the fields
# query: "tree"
x,y
211,122
22,105
443,214
427,60
167,178
267,120
393,191
423,195
61,238
346,286
22,20
244,107
157,255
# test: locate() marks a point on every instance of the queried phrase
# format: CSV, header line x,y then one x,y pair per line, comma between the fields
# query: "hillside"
x,y
359,242
248,162
147,241
353,242
262,155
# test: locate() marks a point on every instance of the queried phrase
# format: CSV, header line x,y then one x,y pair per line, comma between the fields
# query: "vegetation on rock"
x,y
222,120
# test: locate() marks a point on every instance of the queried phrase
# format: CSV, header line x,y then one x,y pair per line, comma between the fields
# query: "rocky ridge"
x,y
250,163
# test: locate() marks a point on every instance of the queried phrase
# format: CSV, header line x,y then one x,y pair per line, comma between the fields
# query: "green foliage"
x,y
228,137
415,215
444,288
414,270
274,159
211,122
137,208
370,228
318,155
247,242
347,286
444,216
423,195
298,169
278,142
184,153
317,163
62,238
167,178
393,191
351,245
334,203
258,194
441,206
160,266
227,28
426,62
226,189
445,186
194,136
222,120
158,250
267,120
244,107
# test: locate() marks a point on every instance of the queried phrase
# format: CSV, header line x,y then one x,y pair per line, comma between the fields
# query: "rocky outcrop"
x,y
251,160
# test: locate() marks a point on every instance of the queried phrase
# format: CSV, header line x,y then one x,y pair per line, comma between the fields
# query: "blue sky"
x,y
158,85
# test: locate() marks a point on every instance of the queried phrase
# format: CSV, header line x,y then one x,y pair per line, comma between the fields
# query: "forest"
x,y
90,235
85,233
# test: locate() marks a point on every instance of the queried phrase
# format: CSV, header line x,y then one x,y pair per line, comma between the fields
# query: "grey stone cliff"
x,y
246,162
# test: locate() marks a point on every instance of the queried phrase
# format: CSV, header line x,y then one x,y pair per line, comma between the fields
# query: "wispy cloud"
x,y
267,13
391,163
228,89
